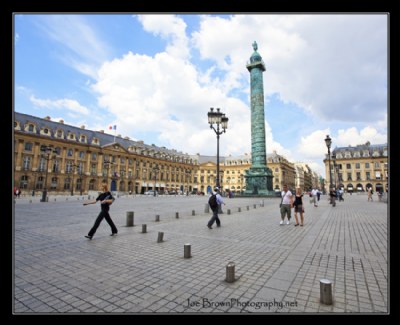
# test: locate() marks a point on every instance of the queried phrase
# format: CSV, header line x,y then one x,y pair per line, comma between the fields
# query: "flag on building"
x,y
112,127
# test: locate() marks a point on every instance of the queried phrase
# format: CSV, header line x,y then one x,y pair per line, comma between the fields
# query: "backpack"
x,y
212,201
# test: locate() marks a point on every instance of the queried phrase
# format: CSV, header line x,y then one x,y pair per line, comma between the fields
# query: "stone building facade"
x,y
355,169
80,159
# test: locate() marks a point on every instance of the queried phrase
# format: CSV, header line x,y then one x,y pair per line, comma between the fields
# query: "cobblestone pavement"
x,y
278,268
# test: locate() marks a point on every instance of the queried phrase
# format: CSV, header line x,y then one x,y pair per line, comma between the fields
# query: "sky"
x,y
156,76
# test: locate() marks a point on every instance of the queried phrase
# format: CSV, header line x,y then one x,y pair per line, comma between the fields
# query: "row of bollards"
x,y
325,285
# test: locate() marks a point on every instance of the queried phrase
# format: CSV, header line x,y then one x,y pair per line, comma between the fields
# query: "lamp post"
x,y
334,170
155,170
47,152
328,142
107,164
73,166
217,118
34,182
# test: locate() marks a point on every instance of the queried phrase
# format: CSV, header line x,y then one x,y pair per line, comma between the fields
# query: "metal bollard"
x,y
177,215
230,272
129,218
193,213
255,206
247,207
228,211
160,237
157,217
325,287
206,208
239,209
186,251
144,228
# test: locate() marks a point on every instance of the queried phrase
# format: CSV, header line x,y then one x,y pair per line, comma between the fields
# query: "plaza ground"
x,y
278,268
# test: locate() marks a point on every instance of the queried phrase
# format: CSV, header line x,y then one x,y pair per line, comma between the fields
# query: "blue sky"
x,y
156,76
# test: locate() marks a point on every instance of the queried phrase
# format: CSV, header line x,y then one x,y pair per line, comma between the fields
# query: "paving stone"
x,y
57,270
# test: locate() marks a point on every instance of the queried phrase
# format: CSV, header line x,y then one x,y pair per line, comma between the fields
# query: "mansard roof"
x,y
104,139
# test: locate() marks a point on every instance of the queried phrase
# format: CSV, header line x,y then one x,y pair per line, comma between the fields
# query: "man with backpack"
x,y
214,202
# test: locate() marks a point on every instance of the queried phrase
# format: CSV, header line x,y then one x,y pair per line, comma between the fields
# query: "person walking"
x,y
106,199
286,204
314,193
214,207
370,194
298,206
332,195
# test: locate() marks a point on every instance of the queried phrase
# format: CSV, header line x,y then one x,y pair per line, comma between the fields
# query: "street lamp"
x,y
155,170
217,118
334,169
47,152
328,142
73,166
107,164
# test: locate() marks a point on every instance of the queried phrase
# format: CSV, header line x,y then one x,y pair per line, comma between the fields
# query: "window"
x,y
23,184
358,175
67,183
31,127
348,166
79,184
81,154
367,165
91,184
26,163
59,134
40,182
349,176
357,165
53,185
376,165
94,156
68,167
93,170
28,146
368,176
56,166
70,152
46,131
378,175
42,165
80,168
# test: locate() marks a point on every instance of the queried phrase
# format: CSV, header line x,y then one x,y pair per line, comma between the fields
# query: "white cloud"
x,y
354,137
170,28
334,66
65,103
163,94
313,146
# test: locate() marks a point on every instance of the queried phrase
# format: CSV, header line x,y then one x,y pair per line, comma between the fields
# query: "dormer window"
x,y
31,128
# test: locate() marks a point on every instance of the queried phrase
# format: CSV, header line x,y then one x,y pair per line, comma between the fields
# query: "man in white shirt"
x,y
287,204
314,193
